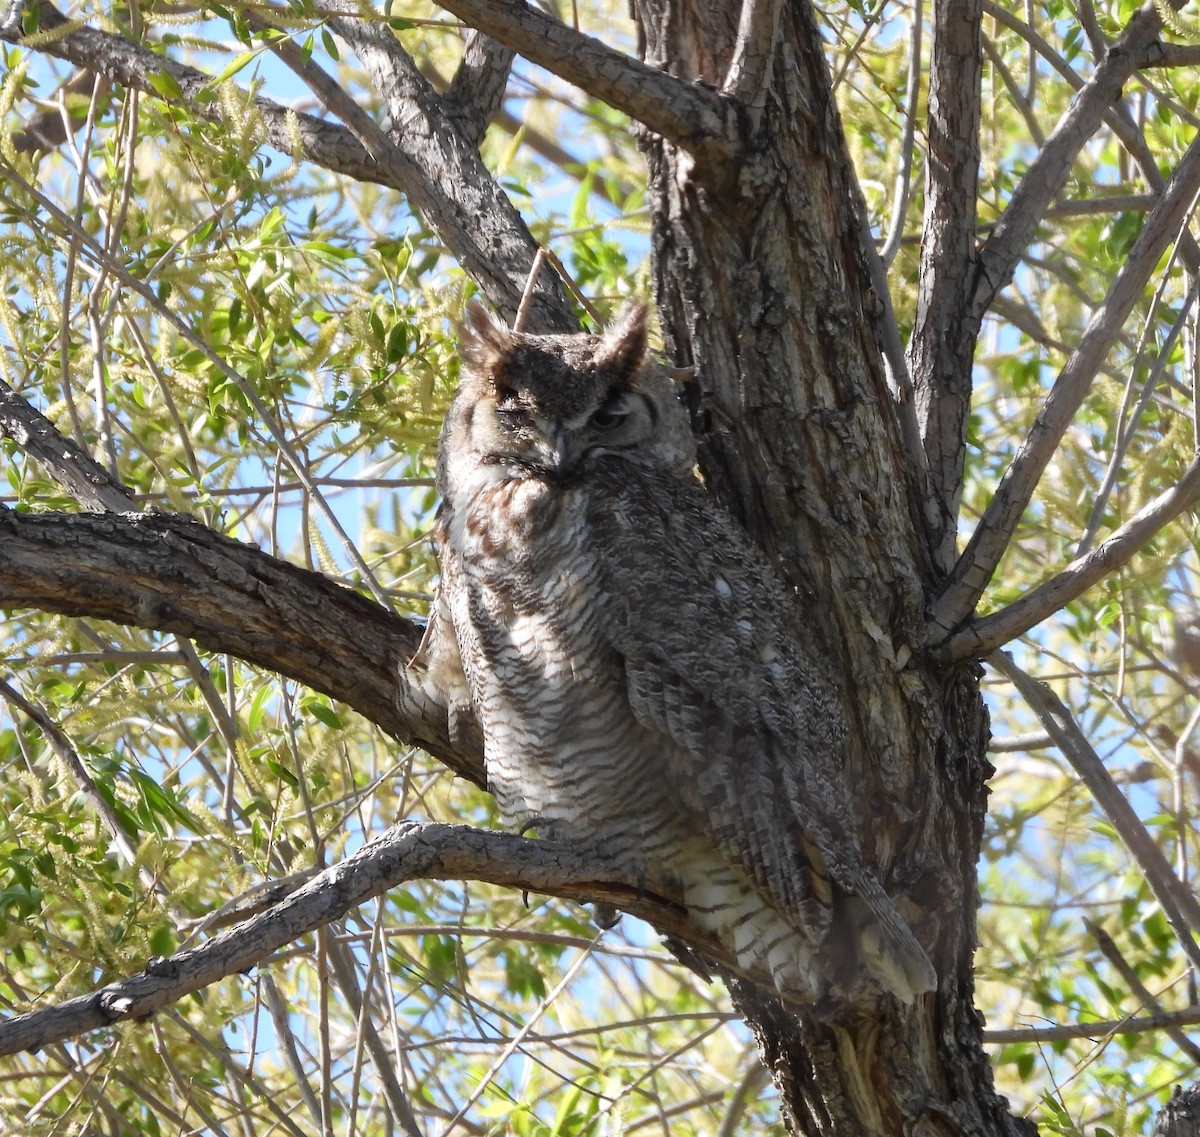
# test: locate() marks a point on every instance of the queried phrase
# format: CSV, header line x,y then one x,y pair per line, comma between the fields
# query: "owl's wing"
x,y
433,681
754,732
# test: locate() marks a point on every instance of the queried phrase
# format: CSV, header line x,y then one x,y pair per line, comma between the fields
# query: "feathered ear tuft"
x,y
482,337
623,347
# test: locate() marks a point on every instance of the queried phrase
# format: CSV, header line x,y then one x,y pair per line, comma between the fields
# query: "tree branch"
x,y
1146,998
697,118
498,257
1013,233
980,637
995,529
751,68
169,573
476,93
130,64
71,466
408,851
468,209
1179,905
942,346
1068,1031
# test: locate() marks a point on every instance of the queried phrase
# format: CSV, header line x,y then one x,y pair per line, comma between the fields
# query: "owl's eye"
x,y
607,418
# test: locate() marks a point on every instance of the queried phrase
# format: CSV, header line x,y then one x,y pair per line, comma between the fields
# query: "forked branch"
x,y
999,522
980,637
696,117
408,851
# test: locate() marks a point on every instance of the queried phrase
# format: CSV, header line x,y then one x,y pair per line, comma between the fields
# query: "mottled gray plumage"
x,y
621,643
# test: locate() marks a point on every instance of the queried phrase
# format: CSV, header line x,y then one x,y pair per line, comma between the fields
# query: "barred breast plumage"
x,y
619,640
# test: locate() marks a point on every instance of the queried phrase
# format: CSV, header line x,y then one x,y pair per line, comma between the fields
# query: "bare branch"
x,y
1104,1029
981,637
1178,903
408,851
476,93
1140,991
752,65
71,466
994,532
1048,174
694,116
457,193
942,346
169,573
912,96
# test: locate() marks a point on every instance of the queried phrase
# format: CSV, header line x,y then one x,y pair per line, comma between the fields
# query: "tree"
x,y
978,438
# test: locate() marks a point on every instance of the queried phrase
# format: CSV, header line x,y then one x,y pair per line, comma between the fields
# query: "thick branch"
x,y
476,93
750,71
1050,169
942,346
980,637
168,573
469,210
995,530
408,851
694,116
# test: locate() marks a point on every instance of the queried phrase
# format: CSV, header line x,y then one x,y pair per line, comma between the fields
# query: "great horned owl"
x,y
619,640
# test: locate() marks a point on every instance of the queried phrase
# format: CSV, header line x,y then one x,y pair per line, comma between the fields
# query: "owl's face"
x,y
545,407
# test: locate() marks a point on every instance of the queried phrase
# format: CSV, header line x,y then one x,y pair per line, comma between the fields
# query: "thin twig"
x,y
518,324
66,753
1179,905
105,262
1049,171
1140,991
1103,1029
1126,429
518,1038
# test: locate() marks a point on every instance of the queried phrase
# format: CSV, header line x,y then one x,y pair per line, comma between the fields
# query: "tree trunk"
x,y
763,287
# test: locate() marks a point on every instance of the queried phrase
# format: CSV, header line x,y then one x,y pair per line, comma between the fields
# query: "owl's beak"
x,y
560,454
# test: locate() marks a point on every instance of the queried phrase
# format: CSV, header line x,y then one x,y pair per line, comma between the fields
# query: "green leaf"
x,y
234,66
165,84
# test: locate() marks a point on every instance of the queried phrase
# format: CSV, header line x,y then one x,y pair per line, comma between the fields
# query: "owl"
x,y
621,643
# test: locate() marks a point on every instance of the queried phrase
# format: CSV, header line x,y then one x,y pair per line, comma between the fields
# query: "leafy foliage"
x,y
331,302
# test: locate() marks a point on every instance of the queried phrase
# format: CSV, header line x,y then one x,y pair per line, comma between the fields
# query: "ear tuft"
x,y
623,346
482,337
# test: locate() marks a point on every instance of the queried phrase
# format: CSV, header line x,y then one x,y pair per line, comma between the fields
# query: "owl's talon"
x,y
532,823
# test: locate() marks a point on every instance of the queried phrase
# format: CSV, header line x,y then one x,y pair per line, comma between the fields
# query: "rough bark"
x,y
171,574
763,289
